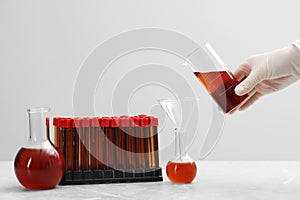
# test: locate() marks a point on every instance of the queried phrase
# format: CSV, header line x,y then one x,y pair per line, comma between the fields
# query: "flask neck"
x,y
37,125
178,153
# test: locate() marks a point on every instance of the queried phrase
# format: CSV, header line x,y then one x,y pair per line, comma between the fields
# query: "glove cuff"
x,y
295,57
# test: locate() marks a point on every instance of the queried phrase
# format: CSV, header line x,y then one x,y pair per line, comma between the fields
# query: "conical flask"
x,y
215,77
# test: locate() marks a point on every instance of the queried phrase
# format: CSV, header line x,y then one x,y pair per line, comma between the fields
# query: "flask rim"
x,y
38,109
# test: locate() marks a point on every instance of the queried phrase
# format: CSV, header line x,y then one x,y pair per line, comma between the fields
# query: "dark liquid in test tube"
x,y
69,145
154,142
110,142
64,124
134,122
101,143
56,130
145,133
75,125
140,145
85,124
131,143
120,143
94,143
126,133
82,148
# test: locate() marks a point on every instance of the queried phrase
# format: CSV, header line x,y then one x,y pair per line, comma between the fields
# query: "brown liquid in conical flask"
x,y
220,85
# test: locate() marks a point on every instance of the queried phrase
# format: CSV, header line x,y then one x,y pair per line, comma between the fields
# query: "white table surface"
x,y
215,180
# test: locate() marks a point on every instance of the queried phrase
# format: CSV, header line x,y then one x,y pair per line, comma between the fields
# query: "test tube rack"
x,y
108,149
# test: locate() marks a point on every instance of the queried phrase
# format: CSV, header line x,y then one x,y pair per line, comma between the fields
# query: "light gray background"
x,y
43,44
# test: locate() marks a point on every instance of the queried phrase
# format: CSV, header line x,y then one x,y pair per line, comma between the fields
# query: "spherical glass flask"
x,y
39,165
181,170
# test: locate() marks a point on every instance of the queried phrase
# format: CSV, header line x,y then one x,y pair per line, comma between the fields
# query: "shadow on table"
x,y
15,189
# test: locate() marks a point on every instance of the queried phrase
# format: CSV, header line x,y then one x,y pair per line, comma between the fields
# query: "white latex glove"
x,y
268,72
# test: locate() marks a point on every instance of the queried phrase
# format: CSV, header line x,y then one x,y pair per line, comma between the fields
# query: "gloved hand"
x,y
266,73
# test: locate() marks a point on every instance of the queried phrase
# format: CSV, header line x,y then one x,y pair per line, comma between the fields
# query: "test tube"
x,y
137,132
102,158
120,142
82,151
85,125
128,141
110,141
131,146
94,143
146,140
135,141
64,125
55,130
154,141
75,125
145,137
69,137
117,143
60,138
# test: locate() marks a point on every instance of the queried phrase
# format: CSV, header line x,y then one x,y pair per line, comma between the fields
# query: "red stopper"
x,y
114,122
64,123
142,115
145,121
75,123
56,121
105,121
85,122
95,122
153,121
124,121
135,121
99,120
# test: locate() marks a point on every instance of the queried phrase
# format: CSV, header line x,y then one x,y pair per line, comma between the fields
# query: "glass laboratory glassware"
x,y
39,165
216,78
183,169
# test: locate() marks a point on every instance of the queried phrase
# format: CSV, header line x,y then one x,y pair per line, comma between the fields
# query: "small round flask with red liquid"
x,y
39,165
181,171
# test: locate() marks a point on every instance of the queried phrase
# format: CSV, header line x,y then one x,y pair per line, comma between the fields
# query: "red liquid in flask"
x,y
220,85
38,169
181,172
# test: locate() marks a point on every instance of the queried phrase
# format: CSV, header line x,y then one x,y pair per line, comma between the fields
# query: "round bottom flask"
x,y
39,165
181,171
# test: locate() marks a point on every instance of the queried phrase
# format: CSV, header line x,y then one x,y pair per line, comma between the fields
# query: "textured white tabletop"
x,y
215,180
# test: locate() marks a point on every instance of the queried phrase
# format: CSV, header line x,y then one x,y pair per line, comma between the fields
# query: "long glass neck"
x,y
37,124
178,152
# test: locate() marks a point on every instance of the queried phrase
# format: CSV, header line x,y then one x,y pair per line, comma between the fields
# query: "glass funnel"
x,y
182,169
39,165
216,78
